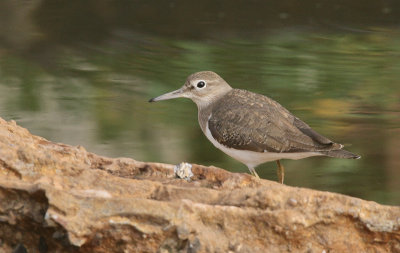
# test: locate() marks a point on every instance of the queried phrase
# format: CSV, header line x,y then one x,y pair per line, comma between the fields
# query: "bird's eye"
x,y
201,84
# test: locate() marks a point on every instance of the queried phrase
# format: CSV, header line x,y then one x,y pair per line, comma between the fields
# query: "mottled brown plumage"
x,y
250,121
250,127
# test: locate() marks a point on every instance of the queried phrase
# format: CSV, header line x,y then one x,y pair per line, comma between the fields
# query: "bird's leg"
x,y
253,172
280,172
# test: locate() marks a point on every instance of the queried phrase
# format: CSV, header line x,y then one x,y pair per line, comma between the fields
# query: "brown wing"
x,y
246,120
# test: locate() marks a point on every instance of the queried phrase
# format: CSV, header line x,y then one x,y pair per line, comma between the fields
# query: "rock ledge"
x,y
57,198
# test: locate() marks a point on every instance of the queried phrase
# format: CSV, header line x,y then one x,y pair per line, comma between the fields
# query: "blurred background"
x,y
81,73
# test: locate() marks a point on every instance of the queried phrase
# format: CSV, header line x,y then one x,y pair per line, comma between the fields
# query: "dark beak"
x,y
169,95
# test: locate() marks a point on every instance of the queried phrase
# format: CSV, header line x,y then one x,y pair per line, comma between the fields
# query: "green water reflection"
x,y
94,93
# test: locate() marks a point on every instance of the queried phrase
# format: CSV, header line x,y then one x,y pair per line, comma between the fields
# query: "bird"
x,y
250,127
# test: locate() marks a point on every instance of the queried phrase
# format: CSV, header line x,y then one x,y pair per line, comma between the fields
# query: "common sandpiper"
x,y
250,127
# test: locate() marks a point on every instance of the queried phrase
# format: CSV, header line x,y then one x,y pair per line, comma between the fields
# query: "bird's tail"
x,y
341,153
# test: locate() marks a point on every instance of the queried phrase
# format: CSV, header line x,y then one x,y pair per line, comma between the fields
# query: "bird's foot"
x,y
280,172
253,172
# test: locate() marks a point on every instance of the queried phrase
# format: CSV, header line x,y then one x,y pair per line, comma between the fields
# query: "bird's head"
x,y
202,87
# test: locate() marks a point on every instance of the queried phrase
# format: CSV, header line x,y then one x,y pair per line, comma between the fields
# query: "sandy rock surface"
x,y
60,198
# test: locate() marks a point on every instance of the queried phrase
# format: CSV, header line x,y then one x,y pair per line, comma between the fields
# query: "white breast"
x,y
251,158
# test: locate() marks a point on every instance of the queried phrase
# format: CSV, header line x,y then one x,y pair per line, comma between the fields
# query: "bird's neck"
x,y
205,109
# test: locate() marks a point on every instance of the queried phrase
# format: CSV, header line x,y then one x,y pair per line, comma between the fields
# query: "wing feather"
x,y
250,121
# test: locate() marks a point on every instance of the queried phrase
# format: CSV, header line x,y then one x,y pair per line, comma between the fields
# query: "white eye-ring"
x,y
201,84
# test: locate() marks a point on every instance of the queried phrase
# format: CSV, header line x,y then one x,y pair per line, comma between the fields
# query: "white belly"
x,y
251,158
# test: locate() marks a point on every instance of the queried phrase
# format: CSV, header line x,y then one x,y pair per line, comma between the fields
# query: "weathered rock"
x,y
55,197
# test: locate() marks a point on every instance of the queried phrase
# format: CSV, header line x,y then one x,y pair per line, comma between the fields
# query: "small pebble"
x,y
292,202
184,171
